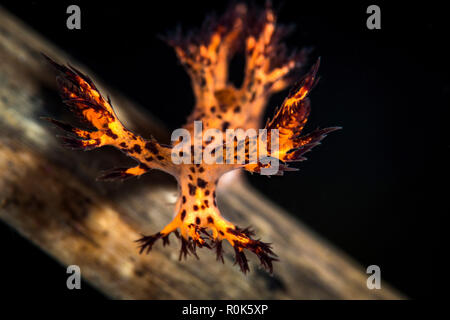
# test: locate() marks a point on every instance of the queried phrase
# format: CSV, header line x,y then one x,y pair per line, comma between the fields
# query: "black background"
x,y
369,188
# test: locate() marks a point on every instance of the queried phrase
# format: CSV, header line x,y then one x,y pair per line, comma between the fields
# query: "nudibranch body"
x,y
219,106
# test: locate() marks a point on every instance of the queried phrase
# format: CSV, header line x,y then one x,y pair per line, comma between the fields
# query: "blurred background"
x,y
369,189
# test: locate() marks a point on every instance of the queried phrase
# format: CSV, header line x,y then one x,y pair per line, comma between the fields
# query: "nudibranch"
x,y
221,106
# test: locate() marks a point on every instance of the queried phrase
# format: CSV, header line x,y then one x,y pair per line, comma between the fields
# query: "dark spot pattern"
x,y
151,146
225,125
137,148
192,189
111,134
201,183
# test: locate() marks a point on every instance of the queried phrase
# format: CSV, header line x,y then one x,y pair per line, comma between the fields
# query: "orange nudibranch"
x,y
219,105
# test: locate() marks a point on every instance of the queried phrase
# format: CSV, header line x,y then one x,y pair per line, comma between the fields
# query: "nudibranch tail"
x,y
199,224
210,236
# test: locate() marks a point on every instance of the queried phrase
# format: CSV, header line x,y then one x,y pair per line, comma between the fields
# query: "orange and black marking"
x,y
219,105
